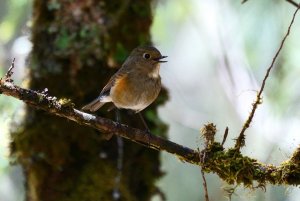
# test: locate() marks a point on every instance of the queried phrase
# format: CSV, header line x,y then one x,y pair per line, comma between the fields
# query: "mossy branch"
x,y
230,165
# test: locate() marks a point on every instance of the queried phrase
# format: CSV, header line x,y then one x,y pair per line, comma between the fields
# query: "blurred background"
x,y
218,55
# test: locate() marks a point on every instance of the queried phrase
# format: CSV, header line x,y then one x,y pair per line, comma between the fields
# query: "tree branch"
x,y
293,3
240,141
64,108
230,165
290,1
205,186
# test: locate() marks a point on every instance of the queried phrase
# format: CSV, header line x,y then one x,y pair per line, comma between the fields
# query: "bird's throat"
x,y
155,72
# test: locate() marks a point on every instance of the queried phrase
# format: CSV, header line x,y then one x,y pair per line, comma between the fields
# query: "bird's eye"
x,y
146,56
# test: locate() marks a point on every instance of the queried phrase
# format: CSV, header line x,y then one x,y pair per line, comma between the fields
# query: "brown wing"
x,y
106,89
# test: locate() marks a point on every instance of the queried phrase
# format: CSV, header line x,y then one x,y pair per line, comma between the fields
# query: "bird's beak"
x,y
159,59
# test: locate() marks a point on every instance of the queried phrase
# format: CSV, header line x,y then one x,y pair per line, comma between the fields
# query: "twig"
x,y
240,141
161,194
205,186
225,136
230,191
7,76
290,1
293,2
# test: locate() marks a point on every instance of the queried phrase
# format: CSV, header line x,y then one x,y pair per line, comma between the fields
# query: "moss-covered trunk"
x,y
77,46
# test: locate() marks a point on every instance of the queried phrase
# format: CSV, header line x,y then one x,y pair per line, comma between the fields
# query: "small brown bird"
x,y
135,85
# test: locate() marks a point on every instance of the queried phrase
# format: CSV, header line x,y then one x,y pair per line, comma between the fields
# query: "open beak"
x,y
159,59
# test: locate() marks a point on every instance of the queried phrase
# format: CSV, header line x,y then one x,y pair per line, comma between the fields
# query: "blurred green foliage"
x,y
12,18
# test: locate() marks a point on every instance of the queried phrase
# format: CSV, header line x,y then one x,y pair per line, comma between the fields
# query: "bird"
x,y
135,85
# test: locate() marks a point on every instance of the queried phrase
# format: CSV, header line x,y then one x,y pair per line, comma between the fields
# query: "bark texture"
x,y
77,46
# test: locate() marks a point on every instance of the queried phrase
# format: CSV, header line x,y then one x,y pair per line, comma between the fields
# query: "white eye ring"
x,y
146,56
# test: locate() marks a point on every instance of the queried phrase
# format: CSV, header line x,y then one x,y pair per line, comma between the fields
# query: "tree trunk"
x,y
77,46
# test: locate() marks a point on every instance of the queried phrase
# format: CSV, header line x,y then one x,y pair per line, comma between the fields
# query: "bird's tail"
x,y
94,105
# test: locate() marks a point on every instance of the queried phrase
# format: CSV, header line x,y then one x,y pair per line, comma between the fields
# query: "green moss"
x,y
93,178
65,102
84,32
63,40
53,5
234,168
230,165
290,172
208,132
40,97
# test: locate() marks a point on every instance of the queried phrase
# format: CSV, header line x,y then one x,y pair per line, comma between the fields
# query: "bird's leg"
x,y
111,108
144,122
146,127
